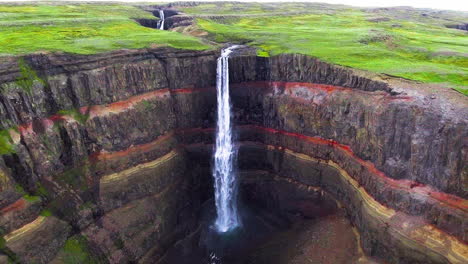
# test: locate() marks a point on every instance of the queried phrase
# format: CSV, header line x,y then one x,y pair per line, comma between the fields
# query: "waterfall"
x,y
161,17
225,181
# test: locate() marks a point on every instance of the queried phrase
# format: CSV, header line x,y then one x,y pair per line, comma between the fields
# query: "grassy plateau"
x,y
402,42
81,28
410,43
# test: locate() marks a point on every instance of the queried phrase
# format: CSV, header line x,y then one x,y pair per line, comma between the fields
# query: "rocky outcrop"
x,y
459,26
172,17
38,241
406,136
126,166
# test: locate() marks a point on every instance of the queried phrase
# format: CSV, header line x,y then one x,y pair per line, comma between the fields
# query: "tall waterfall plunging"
x,y
225,180
161,22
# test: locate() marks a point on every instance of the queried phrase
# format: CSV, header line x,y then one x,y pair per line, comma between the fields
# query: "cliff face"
x,y
114,173
127,165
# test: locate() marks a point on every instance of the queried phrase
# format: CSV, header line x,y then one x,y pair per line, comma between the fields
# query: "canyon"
x,y
126,169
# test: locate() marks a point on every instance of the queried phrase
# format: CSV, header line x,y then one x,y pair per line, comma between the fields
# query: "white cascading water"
x,y
161,17
225,181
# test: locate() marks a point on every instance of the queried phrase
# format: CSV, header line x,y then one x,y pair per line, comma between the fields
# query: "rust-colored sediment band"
x,y
407,185
404,228
123,105
104,110
410,186
445,200
287,87
399,225
17,205
290,88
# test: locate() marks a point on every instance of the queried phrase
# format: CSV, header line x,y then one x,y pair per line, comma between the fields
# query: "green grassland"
x,y
81,28
409,43
258,9
400,43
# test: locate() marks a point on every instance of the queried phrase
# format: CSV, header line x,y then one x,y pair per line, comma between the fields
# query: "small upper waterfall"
x,y
225,181
161,17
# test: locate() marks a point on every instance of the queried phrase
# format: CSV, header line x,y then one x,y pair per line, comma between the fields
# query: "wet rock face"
x,y
131,171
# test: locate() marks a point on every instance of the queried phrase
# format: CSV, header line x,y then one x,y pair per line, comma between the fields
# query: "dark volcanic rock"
x,y
106,172
459,26
148,22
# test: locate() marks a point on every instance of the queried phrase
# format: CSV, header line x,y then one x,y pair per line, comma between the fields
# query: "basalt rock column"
x,y
223,172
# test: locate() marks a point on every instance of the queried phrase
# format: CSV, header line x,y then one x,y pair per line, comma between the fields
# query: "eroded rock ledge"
x,y
130,177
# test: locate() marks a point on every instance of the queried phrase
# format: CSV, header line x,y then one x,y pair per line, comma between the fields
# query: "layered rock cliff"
x,y
114,150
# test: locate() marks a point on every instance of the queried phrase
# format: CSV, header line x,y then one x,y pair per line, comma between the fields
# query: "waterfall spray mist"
x,y
225,179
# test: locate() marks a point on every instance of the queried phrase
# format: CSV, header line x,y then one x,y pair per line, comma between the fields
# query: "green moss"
x,y
2,242
119,243
77,115
20,189
27,196
12,258
262,53
462,90
28,77
41,190
144,106
76,251
6,142
32,198
46,213
87,205
75,177
47,144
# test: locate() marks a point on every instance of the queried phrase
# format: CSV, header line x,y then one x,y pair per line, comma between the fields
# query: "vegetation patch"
x,y
75,177
12,258
28,77
41,190
119,243
6,142
82,28
417,49
46,213
76,251
144,106
77,114
86,205
27,196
